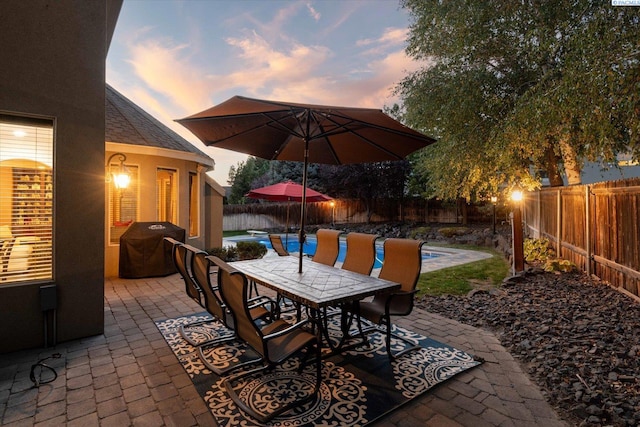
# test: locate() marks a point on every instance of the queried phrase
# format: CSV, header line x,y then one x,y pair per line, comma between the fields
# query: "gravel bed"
x,y
577,338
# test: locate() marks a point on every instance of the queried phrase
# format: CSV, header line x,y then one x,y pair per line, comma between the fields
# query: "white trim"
x,y
208,162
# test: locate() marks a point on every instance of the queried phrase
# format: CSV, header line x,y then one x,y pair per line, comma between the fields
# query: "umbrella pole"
x,y
303,209
286,230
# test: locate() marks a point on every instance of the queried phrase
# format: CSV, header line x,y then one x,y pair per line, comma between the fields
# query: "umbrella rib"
x,y
342,128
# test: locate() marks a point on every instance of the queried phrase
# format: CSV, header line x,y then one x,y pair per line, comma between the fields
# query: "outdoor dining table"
x,y
318,287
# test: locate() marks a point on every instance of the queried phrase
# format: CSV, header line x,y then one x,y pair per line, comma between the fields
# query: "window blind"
x,y
26,199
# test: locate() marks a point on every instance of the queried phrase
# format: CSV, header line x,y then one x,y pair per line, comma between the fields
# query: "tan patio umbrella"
x,y
307,133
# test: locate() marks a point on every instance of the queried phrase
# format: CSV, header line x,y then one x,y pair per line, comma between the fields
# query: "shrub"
x,y
537,250
227,253
419,233
250,250
559,265
454,231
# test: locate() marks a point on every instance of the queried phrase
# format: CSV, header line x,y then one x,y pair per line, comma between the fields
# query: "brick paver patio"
x,y
129,376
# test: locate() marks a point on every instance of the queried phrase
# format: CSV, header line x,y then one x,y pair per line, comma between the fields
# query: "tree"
x,y
365,181
242,177
513,90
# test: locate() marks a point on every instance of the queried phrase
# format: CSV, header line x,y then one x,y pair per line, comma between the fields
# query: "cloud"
x,y
391,38
314,13
166,69
264,66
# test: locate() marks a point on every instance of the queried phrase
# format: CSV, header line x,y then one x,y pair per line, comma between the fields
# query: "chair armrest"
x,y
260,300
285,330
393,295
263,301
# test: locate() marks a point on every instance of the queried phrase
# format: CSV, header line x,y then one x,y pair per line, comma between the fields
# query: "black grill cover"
x,y
143,251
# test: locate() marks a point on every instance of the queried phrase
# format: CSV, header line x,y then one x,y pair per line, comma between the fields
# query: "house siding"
x,y
54,66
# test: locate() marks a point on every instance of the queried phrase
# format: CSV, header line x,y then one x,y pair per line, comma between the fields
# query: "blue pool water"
x,y
310,245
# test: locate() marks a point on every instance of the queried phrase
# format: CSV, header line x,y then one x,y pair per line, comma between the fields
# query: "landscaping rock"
x,y
577,338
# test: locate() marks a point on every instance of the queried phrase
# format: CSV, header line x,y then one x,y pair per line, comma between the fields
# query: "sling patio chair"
x,y
182,256
402,263
361,253
328,246
201,267
277,245
275,342
360,258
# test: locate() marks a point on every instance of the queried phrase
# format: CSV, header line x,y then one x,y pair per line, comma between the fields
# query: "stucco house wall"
x,y
148,160
53,66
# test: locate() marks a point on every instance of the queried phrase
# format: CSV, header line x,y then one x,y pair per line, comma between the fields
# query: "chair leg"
x,y
265,418
227,370
183,332
392,356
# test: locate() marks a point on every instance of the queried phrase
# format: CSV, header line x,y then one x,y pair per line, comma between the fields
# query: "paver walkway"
x,y
129,376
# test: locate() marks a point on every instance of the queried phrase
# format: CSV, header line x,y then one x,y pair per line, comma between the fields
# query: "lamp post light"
x,y
333,213
516,232
494,201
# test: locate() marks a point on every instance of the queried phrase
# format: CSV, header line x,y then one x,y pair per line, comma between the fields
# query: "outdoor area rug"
x,y
359,386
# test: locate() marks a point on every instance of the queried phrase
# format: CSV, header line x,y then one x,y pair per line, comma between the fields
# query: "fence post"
x,y
559,225
587,231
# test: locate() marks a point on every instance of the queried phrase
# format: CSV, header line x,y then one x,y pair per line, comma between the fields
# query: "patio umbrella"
x,y
287,192
276,130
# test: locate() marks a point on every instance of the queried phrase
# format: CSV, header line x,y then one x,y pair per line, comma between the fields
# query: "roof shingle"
x,y
127,123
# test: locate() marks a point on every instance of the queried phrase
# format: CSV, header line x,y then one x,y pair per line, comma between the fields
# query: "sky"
x,y
177,58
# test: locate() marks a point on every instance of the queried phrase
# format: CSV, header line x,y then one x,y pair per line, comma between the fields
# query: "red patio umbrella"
x,y
287,192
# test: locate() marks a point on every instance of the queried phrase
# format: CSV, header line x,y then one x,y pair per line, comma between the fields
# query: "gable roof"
x,y
126,123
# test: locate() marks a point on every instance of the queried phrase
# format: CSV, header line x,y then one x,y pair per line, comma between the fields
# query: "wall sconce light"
x,y
120,178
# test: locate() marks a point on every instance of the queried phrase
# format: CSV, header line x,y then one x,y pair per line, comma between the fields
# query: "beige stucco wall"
x,y
148,160
53,65
214,199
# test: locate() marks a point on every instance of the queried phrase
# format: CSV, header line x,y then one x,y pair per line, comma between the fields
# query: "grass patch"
x,y
457,280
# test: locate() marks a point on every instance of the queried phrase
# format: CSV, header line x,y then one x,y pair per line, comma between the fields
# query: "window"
x,y
167,195
26,199
194,206
123,204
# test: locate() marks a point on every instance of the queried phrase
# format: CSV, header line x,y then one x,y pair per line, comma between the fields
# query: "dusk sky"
x,y
176,58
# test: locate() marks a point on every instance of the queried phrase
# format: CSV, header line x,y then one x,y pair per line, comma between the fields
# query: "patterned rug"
x,y
359,386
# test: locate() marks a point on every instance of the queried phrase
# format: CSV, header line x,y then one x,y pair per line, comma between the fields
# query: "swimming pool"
x,y
309,247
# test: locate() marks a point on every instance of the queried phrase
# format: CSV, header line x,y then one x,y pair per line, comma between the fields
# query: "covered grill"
x,y
144,252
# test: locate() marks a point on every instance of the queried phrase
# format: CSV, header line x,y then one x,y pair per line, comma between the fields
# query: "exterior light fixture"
x,y
333,212
120,178
494,201
517,196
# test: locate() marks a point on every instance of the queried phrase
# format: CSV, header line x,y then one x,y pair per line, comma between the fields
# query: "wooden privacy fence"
x,y
348,211
595,226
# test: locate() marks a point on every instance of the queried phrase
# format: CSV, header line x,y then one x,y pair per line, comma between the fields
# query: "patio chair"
x,y
201,267
275,342
182,258
328,246
402,263
361,253
277,245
